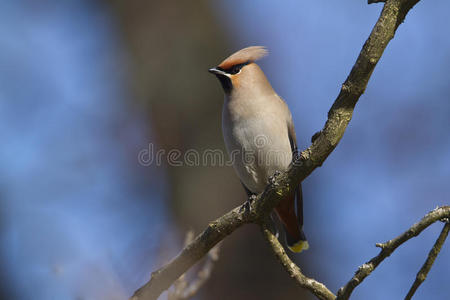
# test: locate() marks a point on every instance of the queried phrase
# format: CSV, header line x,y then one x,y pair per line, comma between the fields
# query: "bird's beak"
x,y
217,72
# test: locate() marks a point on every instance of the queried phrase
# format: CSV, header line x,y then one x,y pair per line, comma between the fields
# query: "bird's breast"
x,y
257,141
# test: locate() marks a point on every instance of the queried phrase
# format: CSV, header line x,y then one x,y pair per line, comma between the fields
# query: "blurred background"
x,y
85,86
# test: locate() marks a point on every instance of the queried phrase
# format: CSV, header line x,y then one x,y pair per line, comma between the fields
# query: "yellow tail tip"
x,y
299,246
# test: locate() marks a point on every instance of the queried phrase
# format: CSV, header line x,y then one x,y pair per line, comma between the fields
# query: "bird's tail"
x,y
291,216
297,244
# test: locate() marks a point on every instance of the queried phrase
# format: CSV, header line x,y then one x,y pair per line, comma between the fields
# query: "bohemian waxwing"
x,y
259,134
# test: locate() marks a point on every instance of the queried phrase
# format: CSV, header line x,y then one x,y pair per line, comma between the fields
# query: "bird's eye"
x,y
236,69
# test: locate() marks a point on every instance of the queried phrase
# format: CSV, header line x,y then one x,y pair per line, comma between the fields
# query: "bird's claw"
x,y
273,178
247,204
296,155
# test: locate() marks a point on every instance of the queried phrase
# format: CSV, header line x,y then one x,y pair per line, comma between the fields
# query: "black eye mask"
x,y
234,69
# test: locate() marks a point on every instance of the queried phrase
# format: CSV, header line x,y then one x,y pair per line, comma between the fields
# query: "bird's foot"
x,y
247,204
273,178
296,158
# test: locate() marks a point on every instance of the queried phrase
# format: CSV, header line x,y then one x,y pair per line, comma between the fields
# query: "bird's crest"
x,y
249,54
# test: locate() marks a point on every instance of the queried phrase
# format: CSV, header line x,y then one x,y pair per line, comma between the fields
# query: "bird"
x,y
259,135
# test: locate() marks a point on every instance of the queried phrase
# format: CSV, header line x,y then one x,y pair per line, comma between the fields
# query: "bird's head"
x,y
239,69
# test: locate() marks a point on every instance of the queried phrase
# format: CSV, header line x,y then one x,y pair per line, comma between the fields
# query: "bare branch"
x,y
317,288
375,1
389,247
340,114
204,274
182,289
216,231
181,283
422,275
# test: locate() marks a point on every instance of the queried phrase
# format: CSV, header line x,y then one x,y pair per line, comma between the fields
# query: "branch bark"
x,y
317,288
388,247
422,275
325,141
182,289
216,231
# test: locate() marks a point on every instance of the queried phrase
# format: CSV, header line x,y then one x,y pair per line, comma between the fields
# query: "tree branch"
x,y
340,114
422,275
182,289
322,292
214,233
387,248
317,288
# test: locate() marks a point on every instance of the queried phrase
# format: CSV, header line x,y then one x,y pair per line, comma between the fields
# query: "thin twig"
x,y
203,275
181,283
422,275
182,289
317,288
389,247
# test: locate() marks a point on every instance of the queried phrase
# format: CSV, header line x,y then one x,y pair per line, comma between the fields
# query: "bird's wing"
x,y
249,193
291,133
299,194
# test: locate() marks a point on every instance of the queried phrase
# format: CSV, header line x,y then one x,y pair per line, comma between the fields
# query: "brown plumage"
x,y
256,121
249,54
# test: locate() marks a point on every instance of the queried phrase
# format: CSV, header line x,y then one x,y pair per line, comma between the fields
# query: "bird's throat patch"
x,y
226,83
